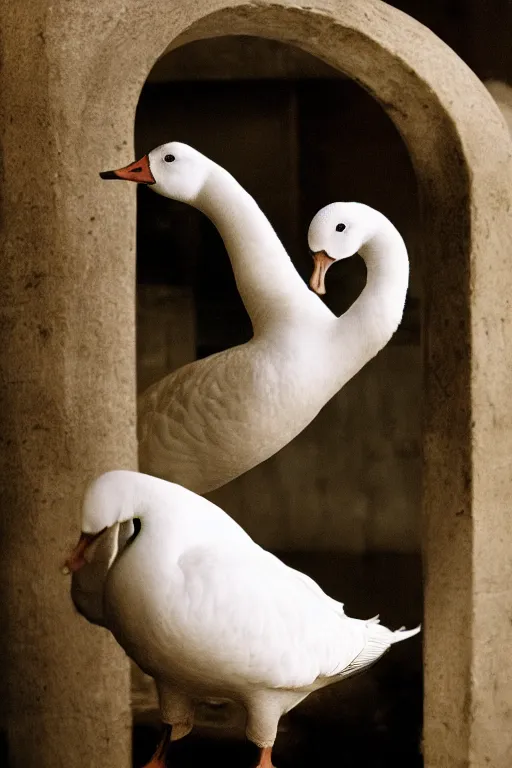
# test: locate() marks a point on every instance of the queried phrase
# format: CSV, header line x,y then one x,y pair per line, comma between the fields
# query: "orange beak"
x,y
322,264
77,560
138,171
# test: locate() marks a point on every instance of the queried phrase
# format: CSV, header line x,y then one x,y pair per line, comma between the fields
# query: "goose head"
x,y
108,506
337,232
174,170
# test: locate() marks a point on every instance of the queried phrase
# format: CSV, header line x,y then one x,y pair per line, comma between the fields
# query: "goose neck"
x,y
374,317
265,276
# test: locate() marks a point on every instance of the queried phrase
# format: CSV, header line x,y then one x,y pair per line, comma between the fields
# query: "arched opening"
x,y
74,106
342,502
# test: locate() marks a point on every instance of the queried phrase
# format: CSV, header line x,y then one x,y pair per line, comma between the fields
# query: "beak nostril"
x,y
136,170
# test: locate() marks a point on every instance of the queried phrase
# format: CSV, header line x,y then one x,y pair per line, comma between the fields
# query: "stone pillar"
x,y
67,405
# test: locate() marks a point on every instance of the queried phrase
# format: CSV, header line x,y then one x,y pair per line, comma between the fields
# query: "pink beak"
x,y
322,264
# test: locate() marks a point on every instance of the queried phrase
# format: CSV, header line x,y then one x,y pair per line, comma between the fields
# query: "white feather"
x,y
216,418
195,601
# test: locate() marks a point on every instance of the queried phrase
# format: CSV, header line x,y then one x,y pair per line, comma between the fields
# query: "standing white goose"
x,y
216,418
208,613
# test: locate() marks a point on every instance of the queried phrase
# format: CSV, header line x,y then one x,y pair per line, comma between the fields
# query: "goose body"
x,y
208,613
216,418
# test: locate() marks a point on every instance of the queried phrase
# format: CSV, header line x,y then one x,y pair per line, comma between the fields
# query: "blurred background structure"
x,y
343,502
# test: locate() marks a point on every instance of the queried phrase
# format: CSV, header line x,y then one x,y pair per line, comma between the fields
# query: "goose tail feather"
x,y
378,641
404,634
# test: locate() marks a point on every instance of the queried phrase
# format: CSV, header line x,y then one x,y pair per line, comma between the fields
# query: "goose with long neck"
x,y
208,613
214,419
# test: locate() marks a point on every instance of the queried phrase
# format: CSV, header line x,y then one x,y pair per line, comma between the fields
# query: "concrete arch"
x,y
69,101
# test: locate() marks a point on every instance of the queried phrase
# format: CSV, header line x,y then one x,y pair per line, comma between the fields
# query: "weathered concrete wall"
x,y
69,92
67,409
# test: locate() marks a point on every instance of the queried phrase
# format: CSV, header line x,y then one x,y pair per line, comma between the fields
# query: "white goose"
x,y
210,614
216,418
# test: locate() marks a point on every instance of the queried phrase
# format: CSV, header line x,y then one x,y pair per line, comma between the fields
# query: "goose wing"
x,y
258,622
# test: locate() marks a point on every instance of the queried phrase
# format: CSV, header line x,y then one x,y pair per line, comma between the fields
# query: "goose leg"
x,y
177,713
265,758
262,719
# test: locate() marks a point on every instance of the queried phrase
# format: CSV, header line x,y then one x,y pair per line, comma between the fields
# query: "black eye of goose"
x,y
340,227
169,158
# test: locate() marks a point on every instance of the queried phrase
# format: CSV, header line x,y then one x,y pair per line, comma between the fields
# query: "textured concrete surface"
x,y
67,405
71,76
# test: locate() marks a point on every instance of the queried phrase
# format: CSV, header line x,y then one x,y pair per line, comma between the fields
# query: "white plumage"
x,y
216,418
207,612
